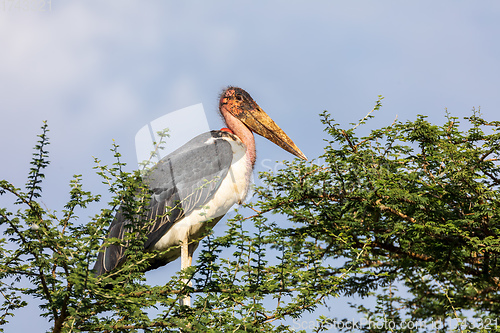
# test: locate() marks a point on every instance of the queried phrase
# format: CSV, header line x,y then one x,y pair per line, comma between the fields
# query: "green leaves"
x,y
415,196
413,204
39,162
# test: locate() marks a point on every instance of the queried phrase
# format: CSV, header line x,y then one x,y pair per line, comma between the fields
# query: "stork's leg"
x,y
186,260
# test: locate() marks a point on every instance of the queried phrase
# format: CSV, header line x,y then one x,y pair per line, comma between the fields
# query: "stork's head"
x,y
240,104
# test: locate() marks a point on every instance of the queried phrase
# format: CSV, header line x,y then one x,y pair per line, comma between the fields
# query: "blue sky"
x,y
98,71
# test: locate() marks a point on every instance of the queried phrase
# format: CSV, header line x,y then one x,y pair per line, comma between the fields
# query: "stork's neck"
x,y
242,132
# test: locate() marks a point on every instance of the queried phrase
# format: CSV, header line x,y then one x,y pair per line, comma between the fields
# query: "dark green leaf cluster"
x,y
269,278
413,202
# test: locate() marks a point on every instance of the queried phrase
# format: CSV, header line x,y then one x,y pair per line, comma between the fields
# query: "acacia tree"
x,y
421,202
412,205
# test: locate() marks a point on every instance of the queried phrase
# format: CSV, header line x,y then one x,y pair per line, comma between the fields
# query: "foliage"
x,y
421,201
412,206
49,256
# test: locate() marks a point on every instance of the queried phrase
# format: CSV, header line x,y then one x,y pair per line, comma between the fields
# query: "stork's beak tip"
x,y
300,155
262,124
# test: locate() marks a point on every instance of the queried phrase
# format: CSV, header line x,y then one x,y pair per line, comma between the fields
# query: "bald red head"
x,y
235,103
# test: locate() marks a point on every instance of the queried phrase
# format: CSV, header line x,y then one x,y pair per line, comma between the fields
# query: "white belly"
x,y
233,190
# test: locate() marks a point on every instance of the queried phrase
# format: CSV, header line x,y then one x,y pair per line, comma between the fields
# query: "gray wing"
x,y
181,182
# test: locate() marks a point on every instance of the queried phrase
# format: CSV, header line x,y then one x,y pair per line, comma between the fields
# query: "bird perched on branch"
x,y
193,187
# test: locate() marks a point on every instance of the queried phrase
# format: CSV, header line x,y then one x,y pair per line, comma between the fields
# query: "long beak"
x,y
259,122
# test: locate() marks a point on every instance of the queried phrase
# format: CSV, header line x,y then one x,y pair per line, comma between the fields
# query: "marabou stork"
x,y
199,182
